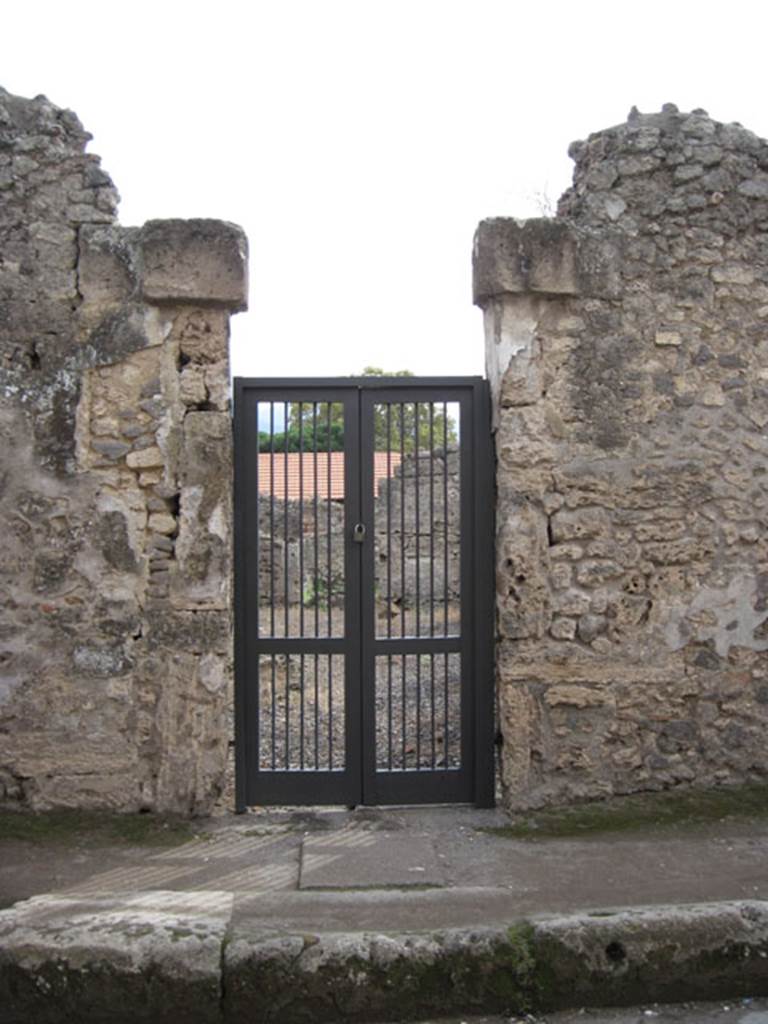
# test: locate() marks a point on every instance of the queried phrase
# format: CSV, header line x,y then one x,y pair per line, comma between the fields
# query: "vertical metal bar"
x,y
273,712
301,520
403,667
301,712
418,710
272,709
285,520
416,485
446,716
317,715
330,712
257,517
417,510
328,598
468,498
330,543
431,518
432,571
301,582
389,520
389,711
432,703
389,583
445,519
247,595
360,607
402,528
483,574
287,711
271,518
315,483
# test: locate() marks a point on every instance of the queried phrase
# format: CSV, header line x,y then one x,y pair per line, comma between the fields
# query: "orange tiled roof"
x,y
300,471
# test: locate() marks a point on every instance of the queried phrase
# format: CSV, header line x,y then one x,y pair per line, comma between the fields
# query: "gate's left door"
x,y
297,600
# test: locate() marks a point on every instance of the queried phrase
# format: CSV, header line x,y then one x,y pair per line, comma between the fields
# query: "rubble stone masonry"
x,y
627,346
115,484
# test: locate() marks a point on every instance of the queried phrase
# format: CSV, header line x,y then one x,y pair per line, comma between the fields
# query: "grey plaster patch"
x,y
735,617
368,860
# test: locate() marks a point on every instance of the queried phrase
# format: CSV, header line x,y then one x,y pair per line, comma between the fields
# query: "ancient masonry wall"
x,y
627,346
115,637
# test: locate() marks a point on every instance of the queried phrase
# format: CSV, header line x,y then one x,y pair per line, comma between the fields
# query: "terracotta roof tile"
x,y
299,473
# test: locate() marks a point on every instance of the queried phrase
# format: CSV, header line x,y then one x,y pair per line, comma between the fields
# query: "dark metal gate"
x,y
363,591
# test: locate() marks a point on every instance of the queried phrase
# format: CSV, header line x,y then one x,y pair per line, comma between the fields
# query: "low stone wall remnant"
x,y
627,347
115,574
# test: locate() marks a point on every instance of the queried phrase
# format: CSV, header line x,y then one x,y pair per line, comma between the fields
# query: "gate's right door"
x,y
426,631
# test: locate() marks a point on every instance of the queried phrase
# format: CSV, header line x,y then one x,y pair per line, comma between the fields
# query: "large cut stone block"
x,y
523,256
151,957
544,257
195,261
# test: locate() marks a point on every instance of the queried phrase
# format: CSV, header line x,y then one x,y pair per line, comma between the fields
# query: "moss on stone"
x,y
96,828
642,811
482,973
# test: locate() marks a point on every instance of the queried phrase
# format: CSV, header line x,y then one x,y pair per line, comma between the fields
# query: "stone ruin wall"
x,y
115,574
627,346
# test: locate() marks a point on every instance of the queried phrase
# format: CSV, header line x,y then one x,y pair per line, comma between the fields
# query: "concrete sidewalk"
x,y
391,914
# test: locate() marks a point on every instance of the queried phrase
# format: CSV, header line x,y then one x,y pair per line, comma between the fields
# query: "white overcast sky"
x,y
359,143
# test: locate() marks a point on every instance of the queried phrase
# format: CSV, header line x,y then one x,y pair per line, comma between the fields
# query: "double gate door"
x,y
363,535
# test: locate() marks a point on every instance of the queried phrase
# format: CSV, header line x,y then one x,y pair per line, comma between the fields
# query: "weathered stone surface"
x,y
111,693
165,956
630,417
151,957
703,951
524,256
107,269
203,261
545,257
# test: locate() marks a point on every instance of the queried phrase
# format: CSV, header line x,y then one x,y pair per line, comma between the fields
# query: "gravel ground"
x,y
418,711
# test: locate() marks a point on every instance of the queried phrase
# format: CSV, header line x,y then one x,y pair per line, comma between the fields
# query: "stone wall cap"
x,y
542,256
521,256
198,260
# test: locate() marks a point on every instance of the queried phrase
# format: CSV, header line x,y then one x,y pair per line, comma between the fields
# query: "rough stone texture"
x,y
703,951
150,957
115,485
374,977
168,956
627,348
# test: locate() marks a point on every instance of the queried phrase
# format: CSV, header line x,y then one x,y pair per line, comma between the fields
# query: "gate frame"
x,y
479,647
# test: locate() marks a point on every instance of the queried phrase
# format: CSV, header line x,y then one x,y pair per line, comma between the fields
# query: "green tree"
x,y
307,430
399,423
395,425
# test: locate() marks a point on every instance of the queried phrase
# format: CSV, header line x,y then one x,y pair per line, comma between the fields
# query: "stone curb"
x,y
170,956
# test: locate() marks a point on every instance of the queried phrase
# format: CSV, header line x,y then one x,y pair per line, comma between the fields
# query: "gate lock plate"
x,y
358,533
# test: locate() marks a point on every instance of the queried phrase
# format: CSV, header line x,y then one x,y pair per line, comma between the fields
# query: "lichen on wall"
x,y
115,674
627,347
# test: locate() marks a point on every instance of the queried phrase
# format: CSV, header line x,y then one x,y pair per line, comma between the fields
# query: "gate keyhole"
x,y
358,533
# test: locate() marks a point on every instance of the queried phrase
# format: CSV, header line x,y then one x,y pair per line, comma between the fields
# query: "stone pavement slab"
x,y
231,860
359,859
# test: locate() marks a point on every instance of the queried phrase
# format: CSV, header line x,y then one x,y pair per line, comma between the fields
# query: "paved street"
x,y
358,870
743,1011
